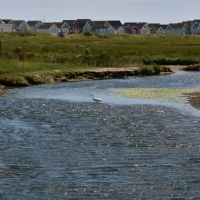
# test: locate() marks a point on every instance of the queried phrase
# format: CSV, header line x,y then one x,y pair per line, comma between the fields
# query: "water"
x,y
55,143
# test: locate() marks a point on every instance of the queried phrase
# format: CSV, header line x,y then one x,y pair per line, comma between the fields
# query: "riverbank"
x,y
33,58
92,74
194,99
30,52
56,76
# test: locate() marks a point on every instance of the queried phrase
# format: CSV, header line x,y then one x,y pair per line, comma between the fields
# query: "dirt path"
x,y
115,69
174,68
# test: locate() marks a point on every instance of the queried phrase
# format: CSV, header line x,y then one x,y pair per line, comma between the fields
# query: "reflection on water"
x,y
60,148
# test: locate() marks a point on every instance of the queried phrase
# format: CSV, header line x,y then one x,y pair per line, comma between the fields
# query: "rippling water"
x,y
55,143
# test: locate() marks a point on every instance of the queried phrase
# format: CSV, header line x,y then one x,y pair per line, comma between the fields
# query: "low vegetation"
x,y
1,89
195,67
161,94
26,55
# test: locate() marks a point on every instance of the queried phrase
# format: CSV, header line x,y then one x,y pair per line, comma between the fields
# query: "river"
x,y
56,143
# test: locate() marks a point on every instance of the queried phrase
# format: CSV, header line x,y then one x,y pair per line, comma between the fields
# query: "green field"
x,y
25,53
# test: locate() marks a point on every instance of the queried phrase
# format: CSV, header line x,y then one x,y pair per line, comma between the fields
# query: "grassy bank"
x,y
99,50
31,58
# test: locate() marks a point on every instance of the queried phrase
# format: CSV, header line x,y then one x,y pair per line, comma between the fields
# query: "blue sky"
x,y
160,11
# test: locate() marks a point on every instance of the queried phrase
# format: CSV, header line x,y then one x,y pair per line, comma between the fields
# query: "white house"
x,y
164,29
145,29
121,30
85,26
6,27
111,29
48,28
64,28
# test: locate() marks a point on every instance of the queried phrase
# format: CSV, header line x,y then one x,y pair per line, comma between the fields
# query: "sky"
x,y
151,11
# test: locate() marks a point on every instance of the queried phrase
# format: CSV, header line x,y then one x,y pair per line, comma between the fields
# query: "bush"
x,y
166,69
147,61
87,33
157,69
148,70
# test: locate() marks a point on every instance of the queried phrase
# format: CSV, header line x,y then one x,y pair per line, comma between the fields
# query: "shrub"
x,y
157,69
87,33
147,61
148,70
166,69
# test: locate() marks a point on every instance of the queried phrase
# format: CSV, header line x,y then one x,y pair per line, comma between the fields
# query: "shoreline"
x,y
194,99
57,76
97,74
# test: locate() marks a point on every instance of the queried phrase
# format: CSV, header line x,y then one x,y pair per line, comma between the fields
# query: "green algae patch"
x,y
160,94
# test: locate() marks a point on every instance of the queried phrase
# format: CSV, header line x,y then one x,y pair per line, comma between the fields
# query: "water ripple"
x,y
54,149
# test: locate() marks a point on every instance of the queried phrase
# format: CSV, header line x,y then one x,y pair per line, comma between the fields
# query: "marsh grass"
x,y
28,51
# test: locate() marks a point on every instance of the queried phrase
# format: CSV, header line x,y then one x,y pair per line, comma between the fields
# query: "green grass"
x,y
19,67
27,52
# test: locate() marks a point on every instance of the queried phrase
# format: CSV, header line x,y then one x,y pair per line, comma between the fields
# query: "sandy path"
x,y
174,68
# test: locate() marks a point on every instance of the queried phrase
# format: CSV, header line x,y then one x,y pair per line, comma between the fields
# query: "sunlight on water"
x,y
56,143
